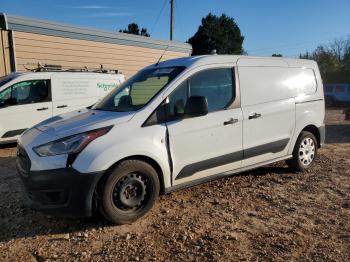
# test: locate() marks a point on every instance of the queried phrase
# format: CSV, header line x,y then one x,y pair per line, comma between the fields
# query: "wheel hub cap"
x,y
307,151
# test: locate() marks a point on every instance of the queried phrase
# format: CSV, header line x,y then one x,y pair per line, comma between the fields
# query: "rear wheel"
x,y
305,152
129,192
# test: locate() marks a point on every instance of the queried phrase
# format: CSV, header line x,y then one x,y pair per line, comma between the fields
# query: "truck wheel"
x,y
129,192
304,153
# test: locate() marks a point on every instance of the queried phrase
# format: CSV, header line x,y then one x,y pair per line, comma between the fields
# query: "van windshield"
x,y
138,90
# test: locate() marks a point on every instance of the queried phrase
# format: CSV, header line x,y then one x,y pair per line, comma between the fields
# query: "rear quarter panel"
x,y
310,109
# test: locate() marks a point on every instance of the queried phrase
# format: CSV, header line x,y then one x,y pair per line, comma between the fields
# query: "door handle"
x,y
42,109
62,106
255,115
230,121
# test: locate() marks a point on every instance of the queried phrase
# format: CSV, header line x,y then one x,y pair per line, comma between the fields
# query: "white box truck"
x,y
174,124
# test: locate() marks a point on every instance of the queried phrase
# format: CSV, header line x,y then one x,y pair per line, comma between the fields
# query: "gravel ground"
x,y
267,214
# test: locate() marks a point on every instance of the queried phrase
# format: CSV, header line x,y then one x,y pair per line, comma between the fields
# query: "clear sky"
x,y
269,26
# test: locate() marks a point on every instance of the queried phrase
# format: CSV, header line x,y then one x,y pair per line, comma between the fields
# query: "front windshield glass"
x,y
138,90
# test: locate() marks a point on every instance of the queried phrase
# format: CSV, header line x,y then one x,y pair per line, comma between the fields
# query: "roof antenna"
x,y
160,58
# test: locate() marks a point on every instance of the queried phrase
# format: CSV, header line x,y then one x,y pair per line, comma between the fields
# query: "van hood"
x,y
81,121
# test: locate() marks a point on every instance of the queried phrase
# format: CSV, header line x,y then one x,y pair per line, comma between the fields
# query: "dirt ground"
x,y
263,215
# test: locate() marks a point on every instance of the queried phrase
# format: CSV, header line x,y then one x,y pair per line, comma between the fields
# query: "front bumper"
x,y
62,191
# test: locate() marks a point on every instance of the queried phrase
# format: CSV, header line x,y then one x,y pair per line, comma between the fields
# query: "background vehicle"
x,y
174,124
337,94
29,98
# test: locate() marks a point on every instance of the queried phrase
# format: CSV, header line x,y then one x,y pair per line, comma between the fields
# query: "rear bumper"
x,y
62,191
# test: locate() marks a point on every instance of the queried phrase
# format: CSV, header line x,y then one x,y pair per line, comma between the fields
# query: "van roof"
x,y
63,74
240,59
66,72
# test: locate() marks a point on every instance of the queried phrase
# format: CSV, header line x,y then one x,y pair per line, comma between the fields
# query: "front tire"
x,y
304,153
129,192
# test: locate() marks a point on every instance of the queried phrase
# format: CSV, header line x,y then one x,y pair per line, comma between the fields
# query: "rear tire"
x,y
304,153
129,192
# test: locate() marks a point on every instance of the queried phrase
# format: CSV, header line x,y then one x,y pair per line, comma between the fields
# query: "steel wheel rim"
x,y
130,192
307,150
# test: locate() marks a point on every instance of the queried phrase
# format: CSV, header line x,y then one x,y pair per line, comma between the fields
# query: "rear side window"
x,y
340,89
217,85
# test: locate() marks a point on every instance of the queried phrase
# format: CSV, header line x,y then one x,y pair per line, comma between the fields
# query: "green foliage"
x,y
217,32
133,28
326,59
277,55
333,60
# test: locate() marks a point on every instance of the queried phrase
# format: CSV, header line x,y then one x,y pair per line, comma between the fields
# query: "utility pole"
x,y
171,19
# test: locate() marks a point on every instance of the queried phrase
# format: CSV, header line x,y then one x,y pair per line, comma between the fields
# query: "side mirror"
x,y
196,106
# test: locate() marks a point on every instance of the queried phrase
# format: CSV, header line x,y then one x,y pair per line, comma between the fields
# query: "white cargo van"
x,y
29,98
174,124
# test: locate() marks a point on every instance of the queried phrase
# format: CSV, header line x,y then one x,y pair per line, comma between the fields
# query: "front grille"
x,y
23,160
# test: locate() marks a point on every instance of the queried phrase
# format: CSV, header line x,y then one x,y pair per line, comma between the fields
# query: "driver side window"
x,y
216,85
177,101
27,92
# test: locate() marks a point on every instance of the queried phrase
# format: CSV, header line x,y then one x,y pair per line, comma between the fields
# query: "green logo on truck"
x,y
106,87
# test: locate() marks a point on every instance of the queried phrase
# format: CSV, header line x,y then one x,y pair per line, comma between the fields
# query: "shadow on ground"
x,y
19,221
337,133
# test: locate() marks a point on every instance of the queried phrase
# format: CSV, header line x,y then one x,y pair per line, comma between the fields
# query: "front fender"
x,y
146,141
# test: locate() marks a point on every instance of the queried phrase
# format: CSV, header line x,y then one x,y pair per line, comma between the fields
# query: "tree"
x,y
333,60
307,55
338,48
326,59
277,55
144,32
133,28
219,33
346,60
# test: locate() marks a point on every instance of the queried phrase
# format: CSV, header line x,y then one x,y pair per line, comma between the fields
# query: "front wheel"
x,y
129,192
305,152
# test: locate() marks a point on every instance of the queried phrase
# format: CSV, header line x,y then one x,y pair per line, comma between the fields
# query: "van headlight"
x,y
71,144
